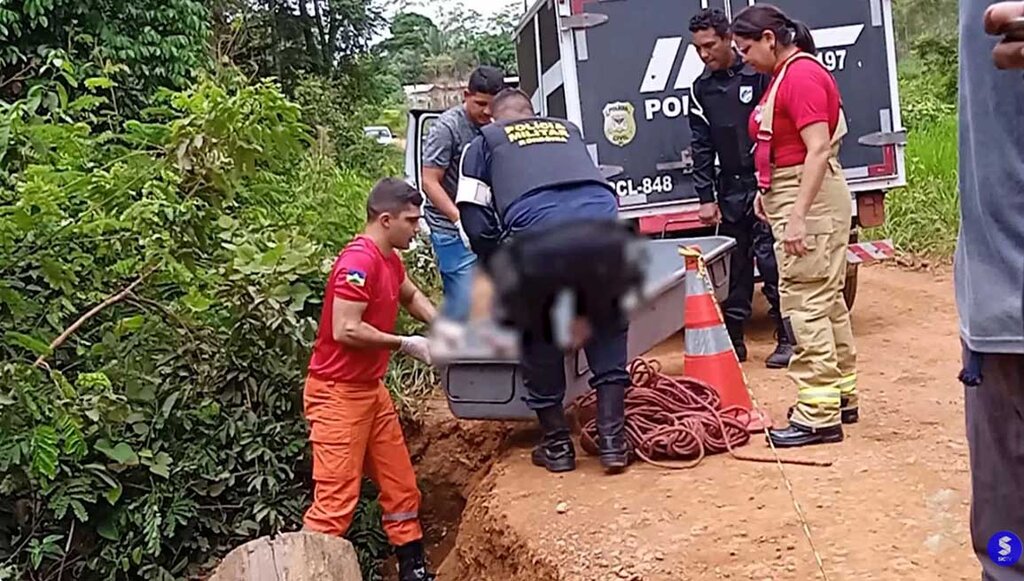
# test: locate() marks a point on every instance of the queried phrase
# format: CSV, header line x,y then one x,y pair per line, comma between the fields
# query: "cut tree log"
x,y
301,556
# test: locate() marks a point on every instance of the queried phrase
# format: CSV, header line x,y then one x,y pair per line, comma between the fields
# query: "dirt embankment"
x,y
894,504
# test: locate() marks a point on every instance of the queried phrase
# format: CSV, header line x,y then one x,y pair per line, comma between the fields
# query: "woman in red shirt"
x,y
798,127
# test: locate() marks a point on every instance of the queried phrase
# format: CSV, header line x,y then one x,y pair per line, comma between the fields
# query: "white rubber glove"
x,y
417,347
463,235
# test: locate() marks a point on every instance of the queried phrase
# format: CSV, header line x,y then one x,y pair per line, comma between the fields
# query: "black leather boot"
x,y
850,415
736,335
556,451
612,444
412,563
779,359
796,435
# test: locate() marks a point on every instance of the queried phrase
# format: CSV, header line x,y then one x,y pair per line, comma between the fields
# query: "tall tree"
x,y
290,38
493,44
422,50
411,36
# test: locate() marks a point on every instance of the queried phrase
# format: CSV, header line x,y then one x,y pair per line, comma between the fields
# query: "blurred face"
x,y
759,54
714,50
478,107
402,227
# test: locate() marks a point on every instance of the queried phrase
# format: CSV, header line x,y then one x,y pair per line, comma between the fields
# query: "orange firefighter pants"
x,y
354,430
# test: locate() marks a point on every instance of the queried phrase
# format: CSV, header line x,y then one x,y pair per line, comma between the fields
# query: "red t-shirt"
x,y
808,95
362,273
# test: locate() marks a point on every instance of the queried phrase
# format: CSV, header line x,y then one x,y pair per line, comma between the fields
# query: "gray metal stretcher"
x,y
480,386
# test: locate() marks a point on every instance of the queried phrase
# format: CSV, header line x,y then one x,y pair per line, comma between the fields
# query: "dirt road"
x,y
894,504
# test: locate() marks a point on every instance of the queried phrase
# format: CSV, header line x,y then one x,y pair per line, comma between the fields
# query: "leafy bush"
x,y
328,105
165,428
924,217
929,81
158,43
923,107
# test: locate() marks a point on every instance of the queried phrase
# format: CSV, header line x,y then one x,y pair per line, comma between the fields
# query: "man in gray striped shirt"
x,y
448,137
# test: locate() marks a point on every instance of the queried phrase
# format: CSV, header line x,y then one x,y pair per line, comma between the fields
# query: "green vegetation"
x,y
923,218
423,51
168,427
143,45
175,180
167,222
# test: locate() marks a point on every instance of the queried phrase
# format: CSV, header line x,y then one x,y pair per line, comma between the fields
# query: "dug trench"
x,y
456,464
893,504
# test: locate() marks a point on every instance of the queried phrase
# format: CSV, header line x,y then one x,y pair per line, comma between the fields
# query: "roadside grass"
x,y
923,218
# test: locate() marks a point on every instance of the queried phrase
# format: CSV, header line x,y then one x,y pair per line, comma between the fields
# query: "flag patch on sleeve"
x,y
356,278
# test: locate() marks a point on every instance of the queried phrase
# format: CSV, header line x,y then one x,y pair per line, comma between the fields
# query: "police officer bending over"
x,y
723,98
543,220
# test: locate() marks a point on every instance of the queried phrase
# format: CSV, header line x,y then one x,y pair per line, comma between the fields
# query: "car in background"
x,y
380,134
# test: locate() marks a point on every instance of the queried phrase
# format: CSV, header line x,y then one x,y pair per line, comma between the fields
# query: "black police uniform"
x,y
722,102
542,218
563,247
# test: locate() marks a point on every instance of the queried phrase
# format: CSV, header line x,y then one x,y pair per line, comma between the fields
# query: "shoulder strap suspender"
x,y
763,154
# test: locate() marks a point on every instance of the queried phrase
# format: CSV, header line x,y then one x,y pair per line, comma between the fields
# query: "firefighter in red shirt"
x,y
354,428
798,128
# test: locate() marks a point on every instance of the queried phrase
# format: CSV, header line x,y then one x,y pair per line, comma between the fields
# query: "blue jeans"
x,y
456,263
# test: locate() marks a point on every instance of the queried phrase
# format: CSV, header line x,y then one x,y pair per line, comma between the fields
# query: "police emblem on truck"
x,y
619,123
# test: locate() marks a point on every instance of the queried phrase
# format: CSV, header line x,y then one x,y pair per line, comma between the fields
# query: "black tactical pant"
x,y
754,240
590,259
995,437
543,365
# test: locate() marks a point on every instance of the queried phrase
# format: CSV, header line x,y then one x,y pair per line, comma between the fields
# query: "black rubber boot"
x,y
796,435
736,336
779,359
412,563
556,451
612,445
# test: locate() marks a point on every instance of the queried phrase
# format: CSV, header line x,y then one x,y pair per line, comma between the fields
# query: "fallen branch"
x,y
19,76
112,299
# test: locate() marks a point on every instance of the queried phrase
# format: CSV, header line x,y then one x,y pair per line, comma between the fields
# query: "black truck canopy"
x,y
622,71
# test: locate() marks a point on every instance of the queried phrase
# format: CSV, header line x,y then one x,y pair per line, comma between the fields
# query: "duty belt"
x,y
746,182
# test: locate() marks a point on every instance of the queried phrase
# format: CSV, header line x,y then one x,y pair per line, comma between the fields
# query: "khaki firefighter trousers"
x,y
824,362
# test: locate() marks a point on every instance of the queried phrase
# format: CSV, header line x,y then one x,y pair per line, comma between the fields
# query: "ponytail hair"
x,y
802,37
752,21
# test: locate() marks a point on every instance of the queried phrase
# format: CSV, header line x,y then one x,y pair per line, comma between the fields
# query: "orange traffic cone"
x,y
709,354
